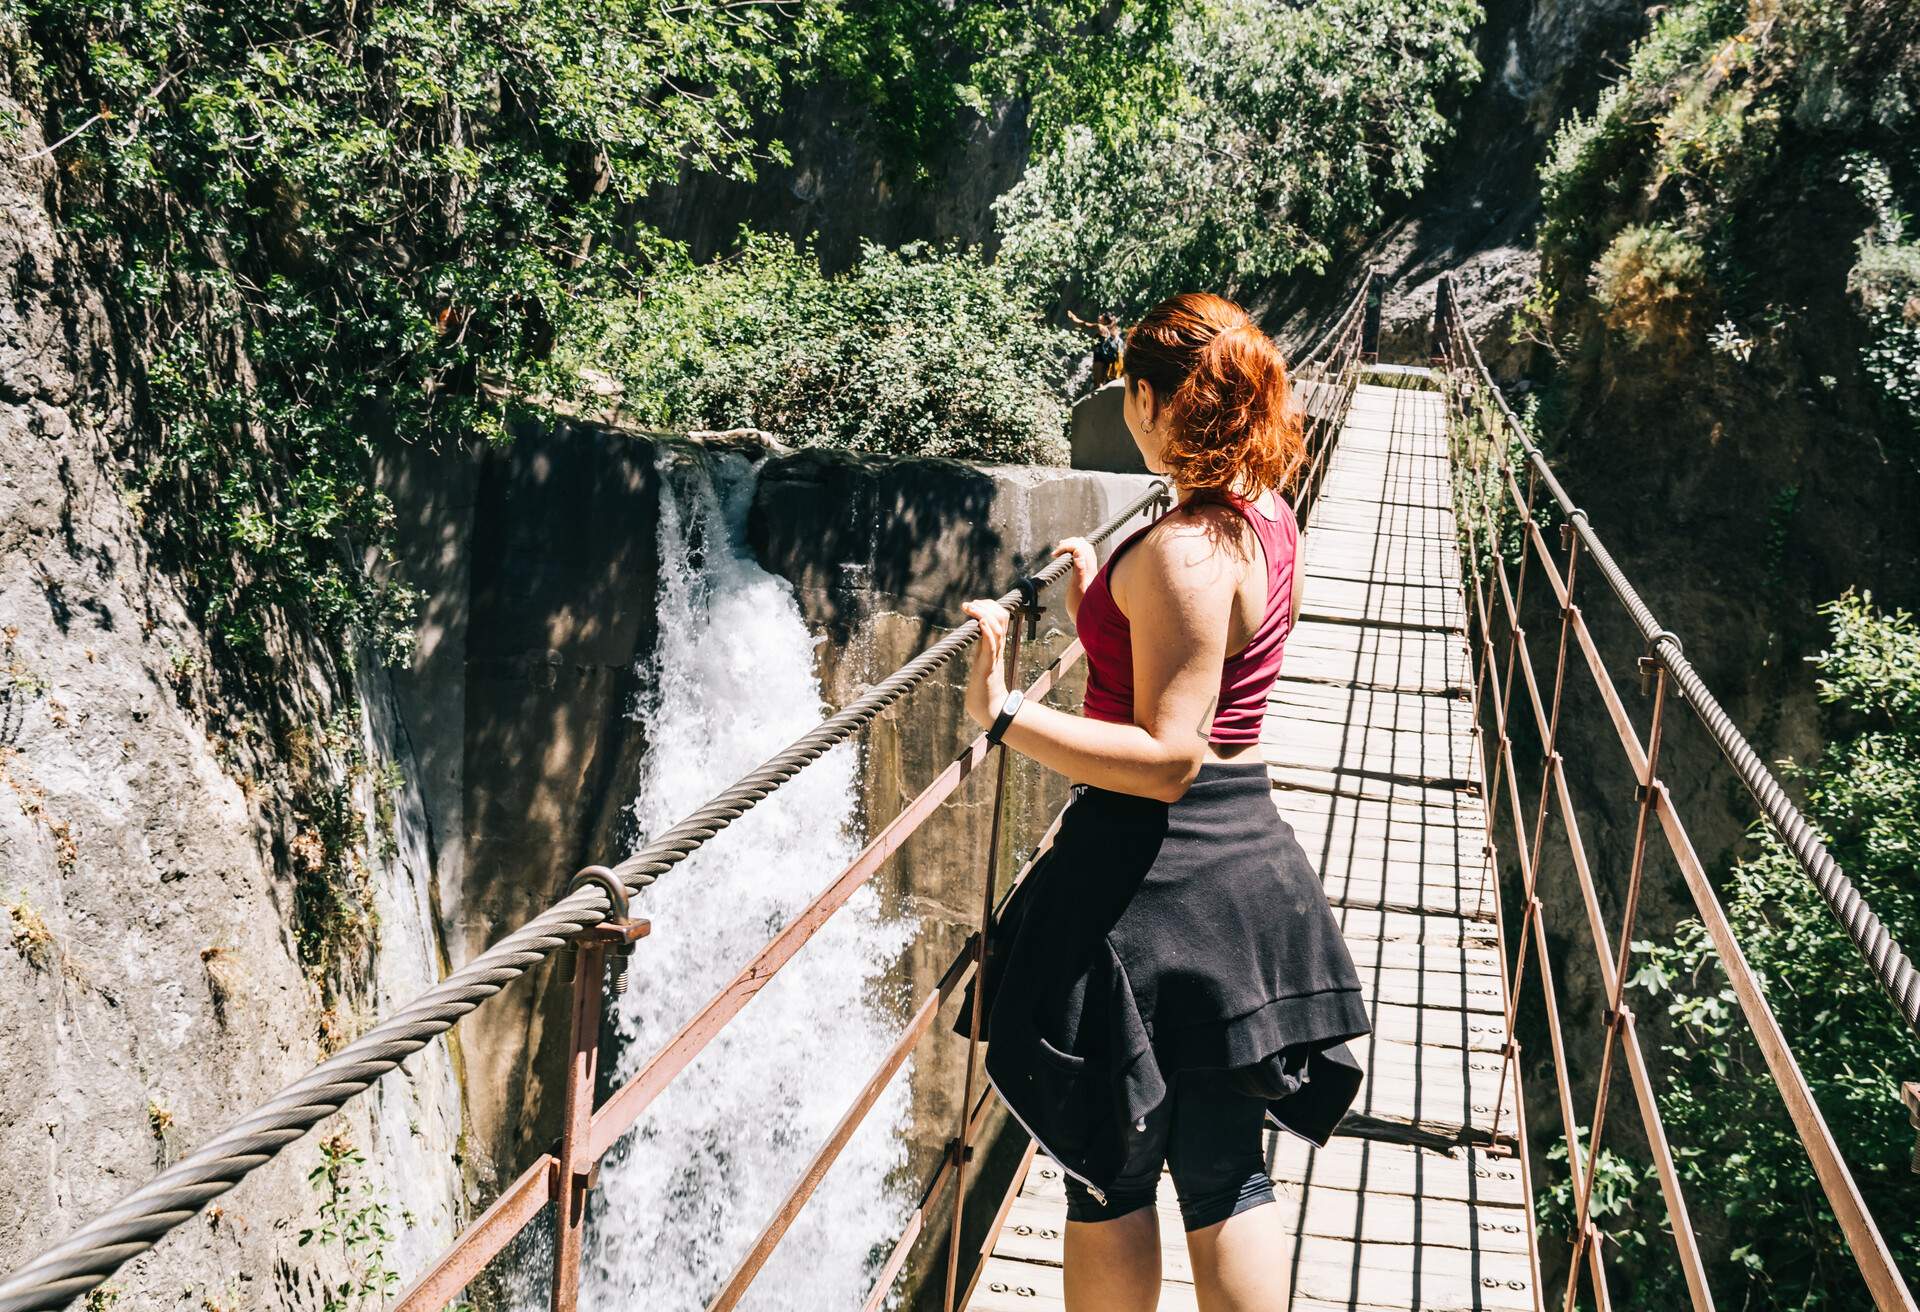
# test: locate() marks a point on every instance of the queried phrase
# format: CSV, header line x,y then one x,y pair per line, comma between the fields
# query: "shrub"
x,y
913,352
1650,283
1885,279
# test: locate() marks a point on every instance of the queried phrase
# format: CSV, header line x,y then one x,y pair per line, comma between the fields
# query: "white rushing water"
x,y
682,1199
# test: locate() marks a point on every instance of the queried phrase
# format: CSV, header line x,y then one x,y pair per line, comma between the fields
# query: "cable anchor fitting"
x,y
619,930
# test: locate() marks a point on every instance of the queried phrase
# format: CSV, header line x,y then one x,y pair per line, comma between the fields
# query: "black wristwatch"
x,y
1008,709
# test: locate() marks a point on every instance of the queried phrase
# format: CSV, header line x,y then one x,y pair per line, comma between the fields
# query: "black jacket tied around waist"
x,y
1153,938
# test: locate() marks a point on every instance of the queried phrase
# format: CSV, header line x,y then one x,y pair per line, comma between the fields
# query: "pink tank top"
x,y
1246,676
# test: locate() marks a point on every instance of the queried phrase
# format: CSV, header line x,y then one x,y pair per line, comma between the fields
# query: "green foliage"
x,y
342,227
1649,284
336,922
1748,1164
1598,165
1627,1207
353,1221
1291,124
1730,117
1491,520
921,66
912,351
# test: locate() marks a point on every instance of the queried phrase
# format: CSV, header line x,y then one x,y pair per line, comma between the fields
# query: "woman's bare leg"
x,y
1241,1264
1114,1266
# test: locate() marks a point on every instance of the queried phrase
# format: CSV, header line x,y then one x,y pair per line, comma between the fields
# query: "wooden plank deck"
x,y
1369,744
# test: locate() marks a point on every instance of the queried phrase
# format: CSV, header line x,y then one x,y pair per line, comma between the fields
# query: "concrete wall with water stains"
x,y
540,560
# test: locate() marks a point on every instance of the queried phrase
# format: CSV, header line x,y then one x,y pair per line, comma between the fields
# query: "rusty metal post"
x,y
1910,1094
577,1165
1531,855
960,1148
573,1172
1647,793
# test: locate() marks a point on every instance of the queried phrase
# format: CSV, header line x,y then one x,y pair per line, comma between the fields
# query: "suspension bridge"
x,y
1391,747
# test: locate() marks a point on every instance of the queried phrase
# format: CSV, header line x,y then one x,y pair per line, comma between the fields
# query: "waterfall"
x,y
732,681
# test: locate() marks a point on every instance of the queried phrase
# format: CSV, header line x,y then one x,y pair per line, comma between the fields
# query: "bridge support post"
x,y
573,1172
576,1167
1442,308
962,1145
1370,325
1910,1094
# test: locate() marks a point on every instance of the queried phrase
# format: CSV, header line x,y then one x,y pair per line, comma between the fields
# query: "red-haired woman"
x,y
1169,978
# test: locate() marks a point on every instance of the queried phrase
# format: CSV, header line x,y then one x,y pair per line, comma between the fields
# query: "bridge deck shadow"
x,y
1369,744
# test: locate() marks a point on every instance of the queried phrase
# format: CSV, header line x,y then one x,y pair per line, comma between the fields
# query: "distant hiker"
x,y
1106,351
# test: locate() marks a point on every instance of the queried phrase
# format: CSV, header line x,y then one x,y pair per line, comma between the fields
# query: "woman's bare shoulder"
x,y
1197,549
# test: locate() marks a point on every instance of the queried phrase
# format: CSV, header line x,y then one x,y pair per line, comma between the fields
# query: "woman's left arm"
x,y
1182,601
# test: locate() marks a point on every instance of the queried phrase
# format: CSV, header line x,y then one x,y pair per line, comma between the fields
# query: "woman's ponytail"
x,y
1224,383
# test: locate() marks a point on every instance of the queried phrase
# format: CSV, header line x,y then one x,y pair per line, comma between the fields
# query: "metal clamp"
x,y
619,929
1653,660
1029,588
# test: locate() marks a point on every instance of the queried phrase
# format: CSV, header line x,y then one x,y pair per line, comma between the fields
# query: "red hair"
x,y
1234,427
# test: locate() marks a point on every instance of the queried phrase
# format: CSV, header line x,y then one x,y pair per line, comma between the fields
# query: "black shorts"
x,y
1209,1136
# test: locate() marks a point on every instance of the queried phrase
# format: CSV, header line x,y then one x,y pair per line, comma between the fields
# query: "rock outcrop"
x,y
153,836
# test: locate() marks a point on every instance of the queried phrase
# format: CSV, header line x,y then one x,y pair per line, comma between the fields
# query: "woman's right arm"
x,y
1086,564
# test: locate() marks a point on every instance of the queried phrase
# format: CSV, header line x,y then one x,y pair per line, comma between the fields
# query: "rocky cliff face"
x,y
155,826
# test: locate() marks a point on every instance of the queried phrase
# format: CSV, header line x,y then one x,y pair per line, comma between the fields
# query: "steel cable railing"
x,y
1326,387
93,1252
1349,320
1491,482
1891,966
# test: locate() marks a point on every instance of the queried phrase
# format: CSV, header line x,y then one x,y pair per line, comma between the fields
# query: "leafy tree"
x,y
1291,124
912,351
923,65
335,226
330,227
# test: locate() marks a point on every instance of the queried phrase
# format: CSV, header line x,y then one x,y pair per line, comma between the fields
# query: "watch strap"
x,y
1008,709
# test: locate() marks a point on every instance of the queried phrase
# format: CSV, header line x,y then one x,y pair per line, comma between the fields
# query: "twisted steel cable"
x,y
93,1252
1892,968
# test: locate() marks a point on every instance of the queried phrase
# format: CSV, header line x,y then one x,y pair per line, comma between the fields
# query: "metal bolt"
x,y
1648,665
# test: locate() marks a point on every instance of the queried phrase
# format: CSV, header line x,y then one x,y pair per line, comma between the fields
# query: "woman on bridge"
x,y
1169,976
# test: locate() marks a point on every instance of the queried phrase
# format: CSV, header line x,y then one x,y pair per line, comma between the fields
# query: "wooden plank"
x,y
1464,1031
1387,604
1351,655
1433,759
1353,781
1359,926
1467,1175
1292,700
